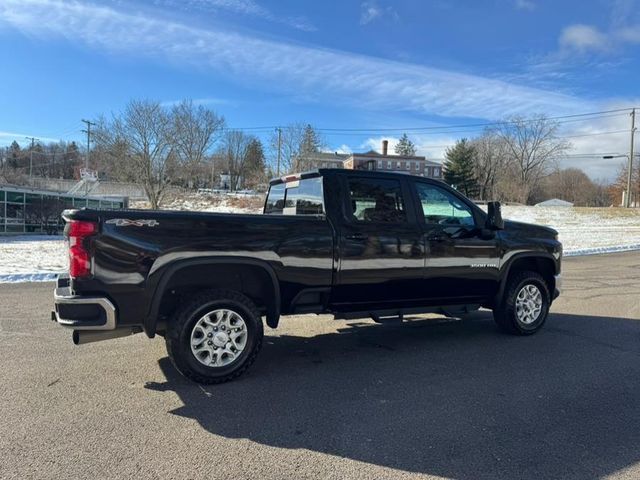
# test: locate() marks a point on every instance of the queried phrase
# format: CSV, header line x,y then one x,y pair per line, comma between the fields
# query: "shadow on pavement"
x,y
458,400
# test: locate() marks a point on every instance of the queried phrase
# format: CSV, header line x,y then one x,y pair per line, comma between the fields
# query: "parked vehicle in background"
x,y
347,242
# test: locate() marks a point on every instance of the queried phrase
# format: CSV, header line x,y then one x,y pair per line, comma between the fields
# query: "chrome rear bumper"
x,y
83,313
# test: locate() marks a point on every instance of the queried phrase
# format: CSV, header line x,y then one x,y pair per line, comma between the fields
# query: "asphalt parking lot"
x,y
334,399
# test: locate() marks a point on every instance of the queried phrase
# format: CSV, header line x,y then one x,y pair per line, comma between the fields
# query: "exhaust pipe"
x,y
80,337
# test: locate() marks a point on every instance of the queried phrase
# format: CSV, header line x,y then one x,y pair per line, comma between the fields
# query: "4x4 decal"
x,y
125,222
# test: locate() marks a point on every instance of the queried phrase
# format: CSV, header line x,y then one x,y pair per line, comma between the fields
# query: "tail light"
x,y
79,258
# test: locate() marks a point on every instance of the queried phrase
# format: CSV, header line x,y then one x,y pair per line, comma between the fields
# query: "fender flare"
x,y
164,277
505,270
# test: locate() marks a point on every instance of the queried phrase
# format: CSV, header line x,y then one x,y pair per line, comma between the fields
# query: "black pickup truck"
x,y
348,242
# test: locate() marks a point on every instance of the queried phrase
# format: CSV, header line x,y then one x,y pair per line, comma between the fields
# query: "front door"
x,y
381,245
462,256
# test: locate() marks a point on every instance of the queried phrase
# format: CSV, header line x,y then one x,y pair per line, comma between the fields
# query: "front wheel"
x,y
215,337
525,304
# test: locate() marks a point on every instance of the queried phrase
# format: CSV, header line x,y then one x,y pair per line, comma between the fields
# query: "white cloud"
x,y
525,5
7,138
243,7
370,11
629,34
332,76
583,38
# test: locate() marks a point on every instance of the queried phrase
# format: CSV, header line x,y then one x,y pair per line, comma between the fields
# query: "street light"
x,y
627,201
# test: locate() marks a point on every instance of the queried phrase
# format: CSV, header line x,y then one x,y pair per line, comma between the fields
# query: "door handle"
x,y
436,237
356,236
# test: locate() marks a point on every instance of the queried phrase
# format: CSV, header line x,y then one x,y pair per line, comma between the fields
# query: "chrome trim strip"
x,y
106,305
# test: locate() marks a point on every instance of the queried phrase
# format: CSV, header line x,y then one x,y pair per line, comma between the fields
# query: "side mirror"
x,y
494,216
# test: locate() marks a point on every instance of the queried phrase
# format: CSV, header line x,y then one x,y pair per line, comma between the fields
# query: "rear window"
x,y
298,197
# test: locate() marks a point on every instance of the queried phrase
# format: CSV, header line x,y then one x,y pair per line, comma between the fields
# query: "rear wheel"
x,y
215,337
525,304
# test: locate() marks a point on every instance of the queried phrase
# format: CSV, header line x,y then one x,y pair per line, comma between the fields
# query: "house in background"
x,y
372,160
315,160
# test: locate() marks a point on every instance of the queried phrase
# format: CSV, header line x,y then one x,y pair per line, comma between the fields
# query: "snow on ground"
x,y
582,231
229,203
32,258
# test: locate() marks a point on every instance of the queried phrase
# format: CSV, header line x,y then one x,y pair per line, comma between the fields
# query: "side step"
x,y
399,318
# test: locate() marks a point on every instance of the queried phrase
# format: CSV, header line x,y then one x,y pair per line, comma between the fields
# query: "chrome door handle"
x,y
357,236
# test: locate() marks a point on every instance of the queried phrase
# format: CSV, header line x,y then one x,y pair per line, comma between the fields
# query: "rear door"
x,y
380,244
461,256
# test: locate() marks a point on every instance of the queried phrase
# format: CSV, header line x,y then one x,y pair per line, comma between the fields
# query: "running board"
x,y
398,318
398,315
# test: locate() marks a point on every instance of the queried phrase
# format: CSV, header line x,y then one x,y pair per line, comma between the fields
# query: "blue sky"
x,y
371,65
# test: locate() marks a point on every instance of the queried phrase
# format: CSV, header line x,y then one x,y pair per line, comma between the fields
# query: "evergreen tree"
x,y
255,166
14,155
458,168
310,141
405,147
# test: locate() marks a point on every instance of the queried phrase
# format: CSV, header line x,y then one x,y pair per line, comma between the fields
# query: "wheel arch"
x,y
254,278
541,262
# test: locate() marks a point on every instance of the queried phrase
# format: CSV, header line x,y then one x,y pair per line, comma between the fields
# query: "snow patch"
x,y
29,277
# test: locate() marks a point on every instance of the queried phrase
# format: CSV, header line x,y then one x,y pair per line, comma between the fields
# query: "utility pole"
x,y
213,168
88,132
279,130
633,131
33,141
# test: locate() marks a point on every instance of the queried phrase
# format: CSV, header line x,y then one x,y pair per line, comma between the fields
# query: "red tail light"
x,y
79,258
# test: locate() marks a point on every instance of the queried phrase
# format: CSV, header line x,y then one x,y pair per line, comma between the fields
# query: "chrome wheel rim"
x,y
528,304
218,338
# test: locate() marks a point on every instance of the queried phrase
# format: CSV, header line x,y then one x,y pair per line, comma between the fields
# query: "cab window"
x,y
442,207
376,200
297,197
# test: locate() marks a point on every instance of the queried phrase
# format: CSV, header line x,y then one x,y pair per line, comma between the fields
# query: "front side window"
x,y
376,200
442,207
298,197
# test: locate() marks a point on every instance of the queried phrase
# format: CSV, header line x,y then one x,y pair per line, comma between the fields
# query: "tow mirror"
x,y
494,216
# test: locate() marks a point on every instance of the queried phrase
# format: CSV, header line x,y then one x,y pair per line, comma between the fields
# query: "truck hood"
x,y
531,229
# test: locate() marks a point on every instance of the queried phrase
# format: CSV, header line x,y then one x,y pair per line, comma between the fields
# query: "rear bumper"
x,y
80,312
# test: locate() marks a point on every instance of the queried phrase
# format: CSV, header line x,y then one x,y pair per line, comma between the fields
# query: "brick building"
x,y
372,160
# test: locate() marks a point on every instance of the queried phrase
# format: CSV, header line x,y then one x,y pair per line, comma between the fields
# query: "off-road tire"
x,y
178,335
505,313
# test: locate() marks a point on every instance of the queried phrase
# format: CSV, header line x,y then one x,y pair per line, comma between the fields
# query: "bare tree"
x,y
235,151
531,146
139,141
194,130
573,185
489,162
291,140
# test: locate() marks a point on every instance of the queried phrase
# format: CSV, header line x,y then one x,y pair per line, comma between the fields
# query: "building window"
x,y
436,172
398,165
389,165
